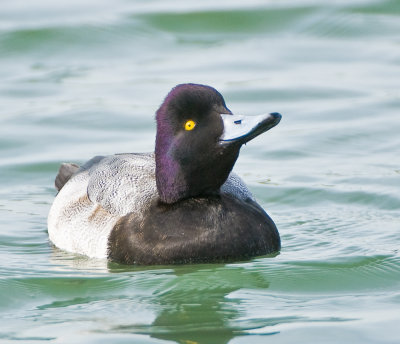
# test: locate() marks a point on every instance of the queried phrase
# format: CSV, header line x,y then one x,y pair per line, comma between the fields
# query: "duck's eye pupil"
x,y
189,125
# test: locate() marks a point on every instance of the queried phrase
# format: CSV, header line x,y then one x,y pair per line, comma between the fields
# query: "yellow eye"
x,y
189,125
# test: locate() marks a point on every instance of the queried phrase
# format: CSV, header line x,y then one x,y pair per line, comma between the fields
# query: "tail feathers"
x,y
65,173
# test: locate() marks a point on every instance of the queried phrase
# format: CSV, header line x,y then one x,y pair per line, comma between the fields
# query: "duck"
x,y
180,204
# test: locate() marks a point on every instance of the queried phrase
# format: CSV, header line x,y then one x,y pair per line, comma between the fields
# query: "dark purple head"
x,y
198,141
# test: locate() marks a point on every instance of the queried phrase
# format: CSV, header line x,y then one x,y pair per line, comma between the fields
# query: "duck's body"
x,y
106,189
167,207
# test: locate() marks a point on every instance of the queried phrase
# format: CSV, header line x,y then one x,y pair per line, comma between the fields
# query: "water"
x,y
85,78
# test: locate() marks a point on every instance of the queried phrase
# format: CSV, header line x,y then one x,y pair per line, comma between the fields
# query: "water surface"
x,y
80,79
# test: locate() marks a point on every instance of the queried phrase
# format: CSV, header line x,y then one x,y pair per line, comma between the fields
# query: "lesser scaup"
x,y
181,204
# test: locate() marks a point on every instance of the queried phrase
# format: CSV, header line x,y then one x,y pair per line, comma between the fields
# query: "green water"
x,y
82,78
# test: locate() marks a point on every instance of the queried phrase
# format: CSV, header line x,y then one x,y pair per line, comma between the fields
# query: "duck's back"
x,y
104,190
122,183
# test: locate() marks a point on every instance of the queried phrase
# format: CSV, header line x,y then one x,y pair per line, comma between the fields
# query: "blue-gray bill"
x,y
238,128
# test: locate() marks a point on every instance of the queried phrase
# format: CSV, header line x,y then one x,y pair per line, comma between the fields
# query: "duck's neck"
x,y
170,180
179,178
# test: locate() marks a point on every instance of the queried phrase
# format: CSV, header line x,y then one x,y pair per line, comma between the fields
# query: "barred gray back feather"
x,y
125,183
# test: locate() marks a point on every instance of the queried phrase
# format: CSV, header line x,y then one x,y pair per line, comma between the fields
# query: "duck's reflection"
x,y
190,303
194,307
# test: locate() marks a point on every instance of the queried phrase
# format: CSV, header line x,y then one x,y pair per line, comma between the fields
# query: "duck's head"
x,y
198,141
